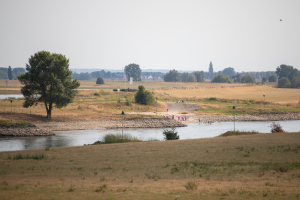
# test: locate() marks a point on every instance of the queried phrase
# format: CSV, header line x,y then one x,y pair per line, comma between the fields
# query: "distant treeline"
x,y
145,75
15,72
113,75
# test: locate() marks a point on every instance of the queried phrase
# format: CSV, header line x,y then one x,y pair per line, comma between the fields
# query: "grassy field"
x,y
100,102
261,166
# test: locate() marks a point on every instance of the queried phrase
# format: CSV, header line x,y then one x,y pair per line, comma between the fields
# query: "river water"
x,y
7,96
192,131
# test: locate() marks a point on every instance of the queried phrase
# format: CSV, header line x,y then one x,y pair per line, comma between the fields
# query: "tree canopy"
x,y
100,80
199,76
172,76
286,71
133,70
191,78
284,82
48,80
143,96
228,71
221,78
272,78
247,79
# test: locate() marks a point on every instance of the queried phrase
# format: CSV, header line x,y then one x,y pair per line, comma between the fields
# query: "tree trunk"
x,y
48,109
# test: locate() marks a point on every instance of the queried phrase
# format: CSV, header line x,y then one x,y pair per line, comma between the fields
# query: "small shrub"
x,y
191,185
96,94
212,99
276,128
170,134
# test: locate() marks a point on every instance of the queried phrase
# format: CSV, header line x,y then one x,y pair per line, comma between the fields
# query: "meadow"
x,y
100,102
260,166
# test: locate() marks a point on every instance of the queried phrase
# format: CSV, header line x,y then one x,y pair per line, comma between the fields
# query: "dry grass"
x,y
107,104
274,95
263,166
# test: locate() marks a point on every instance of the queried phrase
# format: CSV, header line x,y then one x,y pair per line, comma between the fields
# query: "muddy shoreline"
x,y
46,128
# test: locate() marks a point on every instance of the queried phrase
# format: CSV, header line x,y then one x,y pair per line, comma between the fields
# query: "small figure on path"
x,y
199,120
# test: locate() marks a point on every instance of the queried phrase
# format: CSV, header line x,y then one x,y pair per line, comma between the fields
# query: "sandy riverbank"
x,y
46,128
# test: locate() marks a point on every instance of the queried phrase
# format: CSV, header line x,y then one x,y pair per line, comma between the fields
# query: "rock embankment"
x,y
111,124
24,132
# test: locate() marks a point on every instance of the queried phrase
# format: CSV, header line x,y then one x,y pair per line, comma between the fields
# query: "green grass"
x,y
119,138
19,124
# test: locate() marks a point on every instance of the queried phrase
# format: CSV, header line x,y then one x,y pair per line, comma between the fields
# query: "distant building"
x,y
211,70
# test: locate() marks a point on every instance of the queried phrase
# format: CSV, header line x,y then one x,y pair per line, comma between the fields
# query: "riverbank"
x,y
46,128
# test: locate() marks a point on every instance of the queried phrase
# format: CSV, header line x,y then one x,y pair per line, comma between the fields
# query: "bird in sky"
x,y
280,19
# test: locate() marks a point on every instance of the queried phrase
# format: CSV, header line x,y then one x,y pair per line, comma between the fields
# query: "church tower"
x,y
211,70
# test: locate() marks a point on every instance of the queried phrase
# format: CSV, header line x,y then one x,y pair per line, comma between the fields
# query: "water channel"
x,y
192,131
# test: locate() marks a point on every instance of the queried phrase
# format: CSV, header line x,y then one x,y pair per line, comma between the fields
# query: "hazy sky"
x,y
159,34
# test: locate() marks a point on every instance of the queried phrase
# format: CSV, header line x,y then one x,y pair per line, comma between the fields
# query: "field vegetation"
x,y
259,166
100,102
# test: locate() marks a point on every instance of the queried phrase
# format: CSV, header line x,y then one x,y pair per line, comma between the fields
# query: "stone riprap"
x,y
24,132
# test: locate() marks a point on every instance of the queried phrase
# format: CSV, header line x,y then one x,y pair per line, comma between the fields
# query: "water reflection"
x,y
192,131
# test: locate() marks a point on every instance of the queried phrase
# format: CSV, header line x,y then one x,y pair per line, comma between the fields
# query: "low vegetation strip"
x,y
15,124
232,133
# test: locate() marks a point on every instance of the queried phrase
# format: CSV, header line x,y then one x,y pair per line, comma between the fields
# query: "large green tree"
x,y
133,70
286,71
172,76
48,80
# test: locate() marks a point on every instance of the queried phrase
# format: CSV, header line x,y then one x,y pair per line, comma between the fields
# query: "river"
x,y
192,131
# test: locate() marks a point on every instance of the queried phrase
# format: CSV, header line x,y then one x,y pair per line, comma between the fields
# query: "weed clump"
x,y
119,138
231,133
191,185
276,128
35,157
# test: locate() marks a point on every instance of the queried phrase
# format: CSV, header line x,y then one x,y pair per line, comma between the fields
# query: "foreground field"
x,y
263,166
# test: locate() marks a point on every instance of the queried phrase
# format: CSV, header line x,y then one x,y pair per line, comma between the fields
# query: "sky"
x,y
155,34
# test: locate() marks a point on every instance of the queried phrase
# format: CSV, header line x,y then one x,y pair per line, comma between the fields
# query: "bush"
x,y
100,80
276,128
264,79
143,96
170,134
